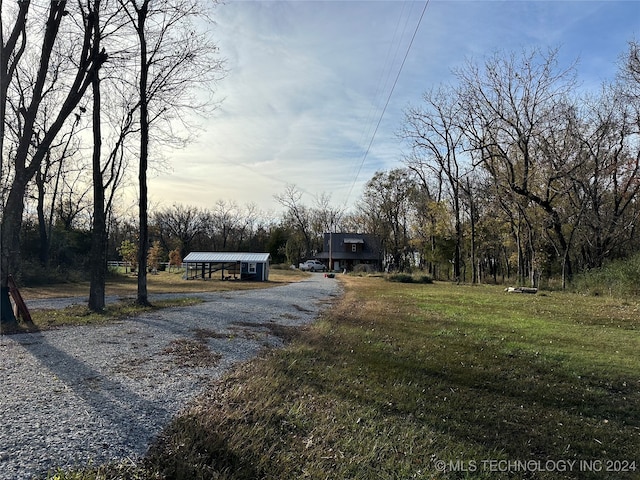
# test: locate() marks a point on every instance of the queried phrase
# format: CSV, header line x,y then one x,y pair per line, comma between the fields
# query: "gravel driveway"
x,y
101,393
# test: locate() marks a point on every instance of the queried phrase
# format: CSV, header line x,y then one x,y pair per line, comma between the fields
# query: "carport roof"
x,y
225,257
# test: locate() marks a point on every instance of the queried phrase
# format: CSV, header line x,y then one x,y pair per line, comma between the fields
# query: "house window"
x,y
354,247
252,268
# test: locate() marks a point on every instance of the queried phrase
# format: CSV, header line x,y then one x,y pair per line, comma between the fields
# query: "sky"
x,y
308,82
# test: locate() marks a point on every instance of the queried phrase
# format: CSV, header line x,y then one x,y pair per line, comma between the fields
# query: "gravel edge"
x,y
96,394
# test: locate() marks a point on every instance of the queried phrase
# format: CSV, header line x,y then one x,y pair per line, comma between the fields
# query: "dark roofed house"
x,y
346,250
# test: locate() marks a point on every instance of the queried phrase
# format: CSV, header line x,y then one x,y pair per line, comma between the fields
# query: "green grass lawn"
x,y
402,381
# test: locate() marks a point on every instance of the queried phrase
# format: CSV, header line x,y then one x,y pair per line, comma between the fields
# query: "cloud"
x,y
308,81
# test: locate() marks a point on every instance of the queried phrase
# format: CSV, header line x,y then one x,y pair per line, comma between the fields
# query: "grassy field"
x,y
401,381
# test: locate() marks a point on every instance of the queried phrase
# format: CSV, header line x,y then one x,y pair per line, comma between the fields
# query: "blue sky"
x,y
308,81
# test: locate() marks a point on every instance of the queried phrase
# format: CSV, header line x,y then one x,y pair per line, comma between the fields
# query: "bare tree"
x,y
108,163
629,74
225,223
326,217
436,141
387,206
606,182
49,179
298,216
173,58
513,104
247,226
32,145
178,226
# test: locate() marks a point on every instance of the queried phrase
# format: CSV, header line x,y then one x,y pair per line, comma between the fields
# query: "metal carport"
x,y
248,266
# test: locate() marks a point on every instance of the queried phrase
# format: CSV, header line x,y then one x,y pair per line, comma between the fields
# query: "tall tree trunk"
x,y
475,275
457,271
143,246
43,251
10,257
98,255
88,63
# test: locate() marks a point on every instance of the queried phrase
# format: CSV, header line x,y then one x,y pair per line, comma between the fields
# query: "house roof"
x,y
225,257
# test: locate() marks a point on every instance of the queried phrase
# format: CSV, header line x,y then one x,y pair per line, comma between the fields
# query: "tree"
x,y
436,141
298,216
629,74
52,172
513,105
175,259
178,226
173,58
30,144
97,287
387,207
108,163
326,217
154,256
277,244
607,136
246,229
224,222
128,250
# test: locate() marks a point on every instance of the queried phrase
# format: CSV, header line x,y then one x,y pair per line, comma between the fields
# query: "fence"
x,y
115,264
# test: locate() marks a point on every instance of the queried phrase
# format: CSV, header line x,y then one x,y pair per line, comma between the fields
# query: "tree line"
x,y
289,237
509,171
512,172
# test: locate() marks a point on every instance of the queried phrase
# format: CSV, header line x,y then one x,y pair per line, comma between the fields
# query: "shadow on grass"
x,y
382,389
190,450
20,327
476,397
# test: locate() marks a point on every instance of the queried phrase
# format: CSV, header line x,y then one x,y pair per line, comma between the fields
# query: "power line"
x,y
366,153
385,74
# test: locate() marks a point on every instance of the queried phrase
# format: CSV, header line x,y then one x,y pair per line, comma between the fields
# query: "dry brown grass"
x,y
192,353
409,381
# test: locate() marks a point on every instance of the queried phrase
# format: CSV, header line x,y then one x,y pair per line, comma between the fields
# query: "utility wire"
x,y
385,75
366,153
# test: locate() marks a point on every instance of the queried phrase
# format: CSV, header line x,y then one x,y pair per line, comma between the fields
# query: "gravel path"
x,y
101,393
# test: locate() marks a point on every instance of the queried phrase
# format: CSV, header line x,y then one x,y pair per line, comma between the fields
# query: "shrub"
x,y
620,277
34,274
406,278
400,277
281,266
363,268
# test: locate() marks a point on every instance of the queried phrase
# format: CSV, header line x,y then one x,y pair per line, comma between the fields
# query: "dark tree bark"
x,y
27,159
173,58
98,256
143,246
